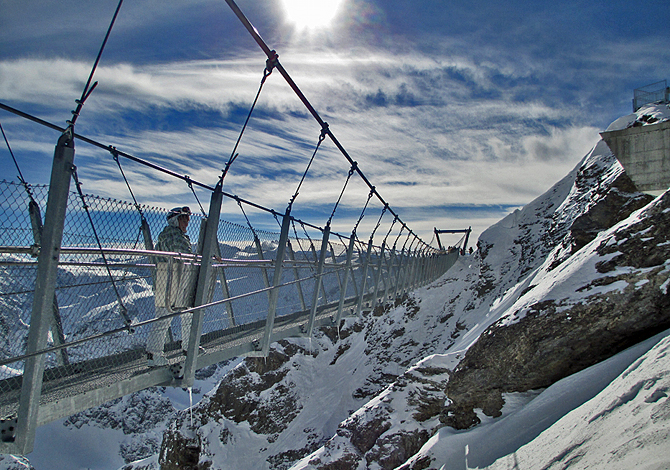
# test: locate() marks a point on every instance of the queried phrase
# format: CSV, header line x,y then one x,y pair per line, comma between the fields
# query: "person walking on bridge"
x,y
174,239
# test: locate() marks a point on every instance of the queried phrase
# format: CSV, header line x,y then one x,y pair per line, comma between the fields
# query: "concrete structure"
x,y
644,153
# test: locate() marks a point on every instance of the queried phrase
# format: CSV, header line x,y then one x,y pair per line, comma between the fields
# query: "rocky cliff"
x,y
571,279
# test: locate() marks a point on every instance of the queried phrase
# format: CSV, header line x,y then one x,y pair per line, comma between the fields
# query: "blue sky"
x,y
458,112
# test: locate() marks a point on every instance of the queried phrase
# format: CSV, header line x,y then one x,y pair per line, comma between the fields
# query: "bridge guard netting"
x,y
86,316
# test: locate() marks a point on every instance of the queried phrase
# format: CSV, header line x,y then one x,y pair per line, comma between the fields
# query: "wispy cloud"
x,y
456,114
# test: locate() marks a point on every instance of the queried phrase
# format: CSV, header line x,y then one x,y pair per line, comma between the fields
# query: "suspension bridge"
x,y
80,288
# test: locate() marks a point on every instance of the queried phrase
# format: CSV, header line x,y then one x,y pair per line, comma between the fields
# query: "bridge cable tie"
x,y
190,185
266,72
122,308
322,136
351,172
25,184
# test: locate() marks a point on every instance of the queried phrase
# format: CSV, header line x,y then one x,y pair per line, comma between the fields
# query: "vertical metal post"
x,y
276,280
337,271
264,272
389,274
422,269
378,276
45,287
359,308
399,276
353,276
409,259
415,268
57,324
343,290
226,290
316,260
202,288
296,273
319,273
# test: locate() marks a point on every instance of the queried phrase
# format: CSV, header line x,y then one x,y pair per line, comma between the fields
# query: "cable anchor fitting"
x,y
271,63
324,131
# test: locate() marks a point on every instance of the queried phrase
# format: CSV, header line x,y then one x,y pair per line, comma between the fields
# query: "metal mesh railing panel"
x,y
89,330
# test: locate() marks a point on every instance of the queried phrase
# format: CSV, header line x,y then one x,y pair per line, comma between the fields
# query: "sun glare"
x,y
311,14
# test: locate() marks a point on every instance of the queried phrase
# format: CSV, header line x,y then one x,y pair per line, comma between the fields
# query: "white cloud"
x,y
434,121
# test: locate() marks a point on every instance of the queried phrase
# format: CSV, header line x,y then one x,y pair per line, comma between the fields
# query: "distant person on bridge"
x,y
173,238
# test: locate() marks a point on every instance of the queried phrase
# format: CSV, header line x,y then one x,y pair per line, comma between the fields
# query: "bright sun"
x,y
311,14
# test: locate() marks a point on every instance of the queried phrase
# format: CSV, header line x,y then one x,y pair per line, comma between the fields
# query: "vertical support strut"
x,y
57,324
366,263
379,275
45,287
389,276
343,290
226,290
276,280
399,276
264,272
319,273
202,287
296,273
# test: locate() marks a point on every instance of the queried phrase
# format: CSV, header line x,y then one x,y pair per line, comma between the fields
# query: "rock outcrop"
x,y
571,279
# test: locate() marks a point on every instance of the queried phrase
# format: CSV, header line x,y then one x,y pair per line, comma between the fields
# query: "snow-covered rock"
x,y
568,281
523,355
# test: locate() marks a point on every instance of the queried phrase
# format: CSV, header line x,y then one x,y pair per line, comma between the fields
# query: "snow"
x,y
613,415
660,112
92,445
580,410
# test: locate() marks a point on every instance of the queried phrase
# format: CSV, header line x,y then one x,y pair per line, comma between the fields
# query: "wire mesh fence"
x,y
652,93
106,303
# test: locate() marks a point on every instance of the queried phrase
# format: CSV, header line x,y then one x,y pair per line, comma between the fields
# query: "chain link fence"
x,y
652,93
104,307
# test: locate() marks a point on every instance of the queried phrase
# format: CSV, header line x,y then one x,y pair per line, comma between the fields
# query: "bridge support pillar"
x,y
276,280
378,276
319,274
202,287
45,287
345,283
296,273
361,298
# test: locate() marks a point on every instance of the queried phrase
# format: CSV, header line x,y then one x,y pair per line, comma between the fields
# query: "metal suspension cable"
x,y
297,239
404,245
395,243
189,182
143,220
269,66
109,147
115,156
20,175
122,308
395,219
351,172
141,161
360,218
247,219
272,54
322,136
87,91
311,243
379,221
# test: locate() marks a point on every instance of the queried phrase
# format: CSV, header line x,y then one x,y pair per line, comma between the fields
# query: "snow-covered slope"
x,y
626,425
553,289
533,342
